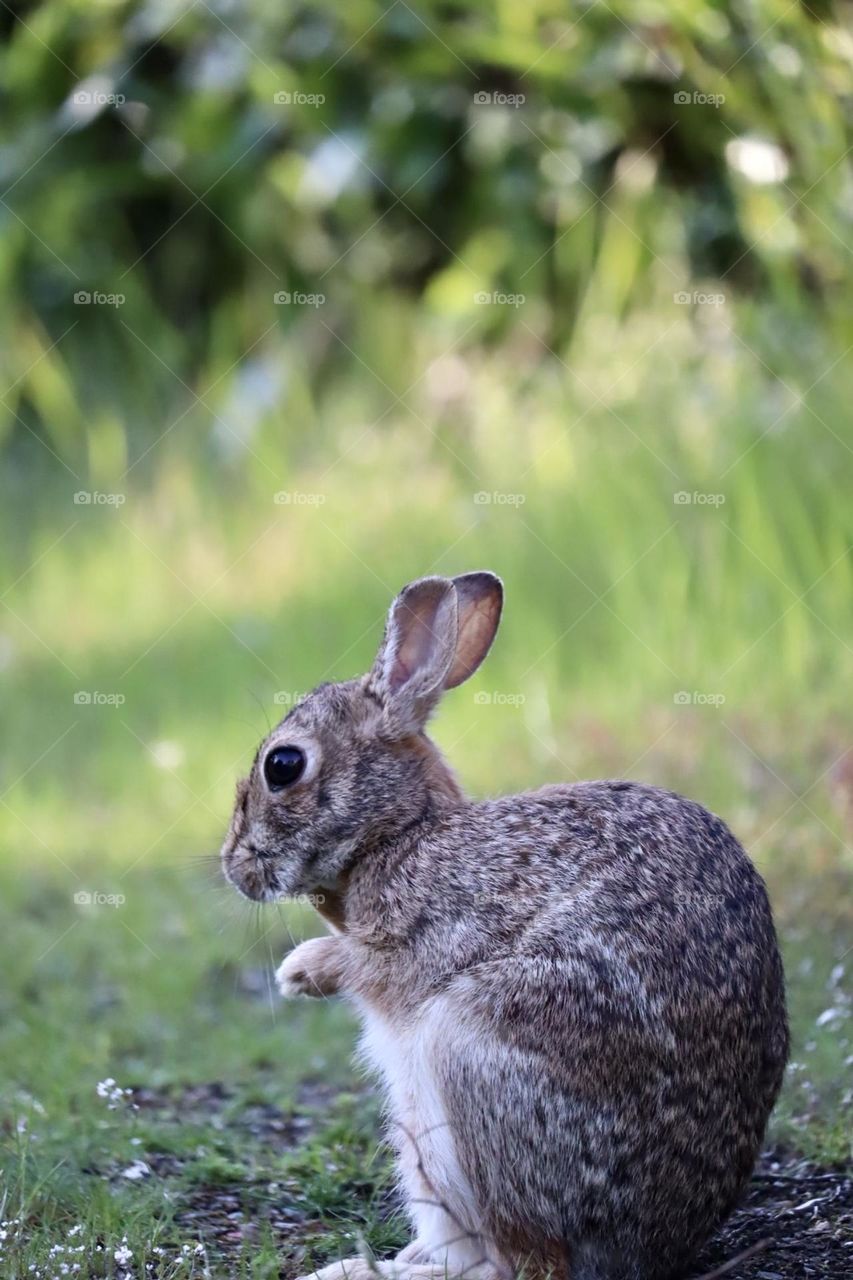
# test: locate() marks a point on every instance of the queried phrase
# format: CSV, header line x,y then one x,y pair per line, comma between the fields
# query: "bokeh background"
x,y
304,301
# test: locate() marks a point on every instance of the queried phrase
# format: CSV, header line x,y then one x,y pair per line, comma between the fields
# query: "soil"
x,y
798,1219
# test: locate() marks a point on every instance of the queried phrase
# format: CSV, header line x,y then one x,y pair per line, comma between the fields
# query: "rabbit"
x,y
573,997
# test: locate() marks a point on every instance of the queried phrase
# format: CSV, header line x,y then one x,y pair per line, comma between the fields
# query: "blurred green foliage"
x,y
146,155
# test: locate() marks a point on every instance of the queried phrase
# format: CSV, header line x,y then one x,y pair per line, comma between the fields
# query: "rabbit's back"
x,y
608,1070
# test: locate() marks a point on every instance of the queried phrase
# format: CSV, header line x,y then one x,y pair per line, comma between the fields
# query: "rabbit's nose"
x,y
246,871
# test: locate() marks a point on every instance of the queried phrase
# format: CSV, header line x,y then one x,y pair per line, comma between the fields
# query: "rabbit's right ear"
x,y
416,653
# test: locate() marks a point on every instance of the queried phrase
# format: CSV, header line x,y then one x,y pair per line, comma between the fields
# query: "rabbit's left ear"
x,y
438,632
479,601
416,653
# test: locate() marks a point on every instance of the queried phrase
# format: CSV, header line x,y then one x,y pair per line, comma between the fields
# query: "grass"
x,y
181,1015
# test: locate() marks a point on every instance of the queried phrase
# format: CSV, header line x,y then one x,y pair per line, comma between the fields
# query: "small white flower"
x,y
123,1254
113,1092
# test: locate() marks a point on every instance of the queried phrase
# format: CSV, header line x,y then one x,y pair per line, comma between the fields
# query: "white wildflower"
x,y
123,1254
113,1092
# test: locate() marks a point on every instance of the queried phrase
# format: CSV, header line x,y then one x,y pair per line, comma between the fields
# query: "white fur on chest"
x,y
386,1052
403,1060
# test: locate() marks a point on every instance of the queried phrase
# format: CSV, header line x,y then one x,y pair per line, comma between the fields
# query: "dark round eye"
x,y
283,766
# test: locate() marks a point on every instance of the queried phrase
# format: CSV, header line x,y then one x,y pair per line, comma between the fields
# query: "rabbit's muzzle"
x,y
248,866
249,873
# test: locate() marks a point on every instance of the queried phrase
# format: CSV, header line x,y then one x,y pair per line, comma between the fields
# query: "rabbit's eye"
x,y
283,766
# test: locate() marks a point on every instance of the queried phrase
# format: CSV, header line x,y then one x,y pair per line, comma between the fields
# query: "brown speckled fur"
x,y
574,995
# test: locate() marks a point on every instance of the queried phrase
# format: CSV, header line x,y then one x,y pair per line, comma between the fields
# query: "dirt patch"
x,y
216,1104
802,1212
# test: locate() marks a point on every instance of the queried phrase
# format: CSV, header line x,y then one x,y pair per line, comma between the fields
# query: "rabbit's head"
x,y
351,765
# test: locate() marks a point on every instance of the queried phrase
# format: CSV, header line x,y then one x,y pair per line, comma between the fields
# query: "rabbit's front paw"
x,y
311,969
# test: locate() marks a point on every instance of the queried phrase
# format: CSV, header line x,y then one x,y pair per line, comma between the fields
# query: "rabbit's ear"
x,y
480,598
417,652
